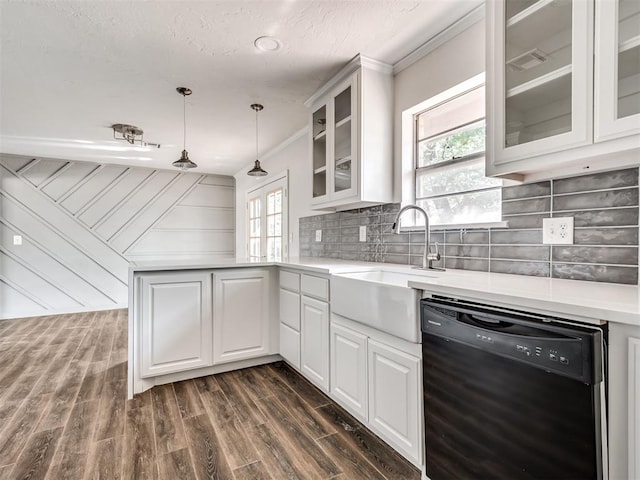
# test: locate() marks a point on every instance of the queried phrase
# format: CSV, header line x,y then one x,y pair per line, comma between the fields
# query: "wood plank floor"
x,y
64,415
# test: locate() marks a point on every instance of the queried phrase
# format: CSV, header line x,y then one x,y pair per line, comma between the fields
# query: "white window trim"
x,y
408,143
283,175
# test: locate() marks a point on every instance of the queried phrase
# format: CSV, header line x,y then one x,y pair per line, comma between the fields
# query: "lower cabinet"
x,y
624,401
314,349
240,314
290,345
394,395
380,384
176,326
349,369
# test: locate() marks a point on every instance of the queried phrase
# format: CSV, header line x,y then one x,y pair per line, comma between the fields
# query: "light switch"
x,y
17,239
363,233
318,235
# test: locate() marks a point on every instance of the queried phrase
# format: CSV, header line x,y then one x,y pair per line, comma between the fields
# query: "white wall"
x,y
458,60
292,155
81,223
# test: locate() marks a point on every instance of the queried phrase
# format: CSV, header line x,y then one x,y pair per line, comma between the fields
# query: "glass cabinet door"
x,y
319,151
538,70
628,51
342,160
542,76
617,68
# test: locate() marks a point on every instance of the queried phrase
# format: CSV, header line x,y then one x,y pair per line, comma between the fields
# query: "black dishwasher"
x,y
511,395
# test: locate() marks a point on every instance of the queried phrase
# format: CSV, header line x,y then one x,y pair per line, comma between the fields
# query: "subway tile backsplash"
x,y
604,206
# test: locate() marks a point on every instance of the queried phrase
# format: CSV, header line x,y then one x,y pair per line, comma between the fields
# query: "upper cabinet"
x,y
617,48
351,126
548,111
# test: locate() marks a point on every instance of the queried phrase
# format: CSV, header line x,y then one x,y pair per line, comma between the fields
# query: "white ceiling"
x,y
70,69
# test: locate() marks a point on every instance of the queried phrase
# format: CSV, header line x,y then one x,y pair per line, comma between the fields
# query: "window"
x,y
267,221
448,163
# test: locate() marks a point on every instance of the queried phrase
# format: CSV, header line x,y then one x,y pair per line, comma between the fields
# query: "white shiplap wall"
x,y
81,223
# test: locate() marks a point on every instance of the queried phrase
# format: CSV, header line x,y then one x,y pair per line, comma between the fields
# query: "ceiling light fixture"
x,y
184,163
257,170
128,133
267,44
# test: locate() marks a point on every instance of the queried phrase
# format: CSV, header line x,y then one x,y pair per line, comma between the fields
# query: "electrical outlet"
x,y
318,235
557,231
17,239
363,233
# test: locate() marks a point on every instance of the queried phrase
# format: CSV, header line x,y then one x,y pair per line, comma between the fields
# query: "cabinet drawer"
x,y
290,309
290,281
315,287
290,345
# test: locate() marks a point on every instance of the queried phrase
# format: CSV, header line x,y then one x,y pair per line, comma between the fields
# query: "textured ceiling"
x,y
71,69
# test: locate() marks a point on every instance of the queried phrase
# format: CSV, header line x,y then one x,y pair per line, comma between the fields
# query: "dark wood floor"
x,y
64,415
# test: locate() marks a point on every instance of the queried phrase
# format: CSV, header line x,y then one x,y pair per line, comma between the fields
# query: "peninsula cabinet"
x,y
176,327
351,125
240,314
560,99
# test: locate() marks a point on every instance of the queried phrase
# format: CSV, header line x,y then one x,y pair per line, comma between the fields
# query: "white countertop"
x,y
573,299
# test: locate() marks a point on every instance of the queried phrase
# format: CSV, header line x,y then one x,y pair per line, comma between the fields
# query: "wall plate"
x,y
557,231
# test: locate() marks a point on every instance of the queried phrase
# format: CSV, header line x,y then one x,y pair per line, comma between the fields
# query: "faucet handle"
x,y
434,255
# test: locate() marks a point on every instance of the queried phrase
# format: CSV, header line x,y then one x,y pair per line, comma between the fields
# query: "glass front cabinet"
x,y
351,138
558,94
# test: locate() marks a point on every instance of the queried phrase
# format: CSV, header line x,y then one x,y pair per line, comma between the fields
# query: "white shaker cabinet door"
x,y
349,369
240,315
290,345
176,322
314,350
394,396
290,309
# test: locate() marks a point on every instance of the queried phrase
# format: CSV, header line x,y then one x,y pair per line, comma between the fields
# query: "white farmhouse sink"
x,y
380,299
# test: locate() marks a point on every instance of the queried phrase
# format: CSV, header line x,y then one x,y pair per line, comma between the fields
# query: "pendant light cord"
x,y
256,134
184,122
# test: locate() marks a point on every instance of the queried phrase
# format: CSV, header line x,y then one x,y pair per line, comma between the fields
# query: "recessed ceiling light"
x,y
267,44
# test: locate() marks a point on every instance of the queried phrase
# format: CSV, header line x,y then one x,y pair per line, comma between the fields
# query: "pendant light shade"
x,y
257,170
183,163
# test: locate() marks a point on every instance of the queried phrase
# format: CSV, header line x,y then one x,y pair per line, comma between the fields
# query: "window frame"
x,y
262,190
409,145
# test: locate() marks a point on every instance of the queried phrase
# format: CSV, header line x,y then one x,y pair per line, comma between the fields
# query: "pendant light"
x,y
184,163
257,170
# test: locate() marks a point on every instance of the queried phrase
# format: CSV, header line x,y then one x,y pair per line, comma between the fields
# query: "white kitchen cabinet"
x,y
349,369
541,91
240,314
634,407
290,345
314,339
290,317
290,309
617,69
394,396
176,327
351,125
624,401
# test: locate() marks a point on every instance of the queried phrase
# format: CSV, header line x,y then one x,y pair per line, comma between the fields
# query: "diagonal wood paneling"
x,y
82,222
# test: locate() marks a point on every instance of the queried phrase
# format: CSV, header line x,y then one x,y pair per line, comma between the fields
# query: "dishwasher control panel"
x,y
552,347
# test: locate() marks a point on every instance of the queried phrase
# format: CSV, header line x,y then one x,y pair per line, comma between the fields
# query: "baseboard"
x,y
116,306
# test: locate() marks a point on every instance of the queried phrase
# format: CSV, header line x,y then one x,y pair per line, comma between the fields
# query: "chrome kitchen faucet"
x,y
428,256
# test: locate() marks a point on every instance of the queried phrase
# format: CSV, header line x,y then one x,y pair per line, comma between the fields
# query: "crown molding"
x,y
359,61
456,28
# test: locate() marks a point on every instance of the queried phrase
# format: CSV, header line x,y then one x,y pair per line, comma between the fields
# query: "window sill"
x,y
420,228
